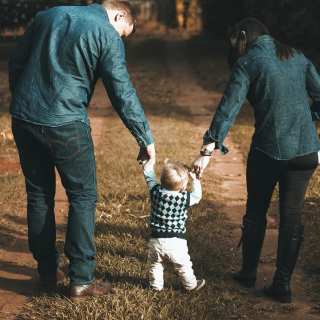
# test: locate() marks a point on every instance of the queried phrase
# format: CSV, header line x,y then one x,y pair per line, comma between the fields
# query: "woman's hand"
x,y
199,164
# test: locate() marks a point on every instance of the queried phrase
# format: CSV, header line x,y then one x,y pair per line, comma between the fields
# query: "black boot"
x,y
289,243
252,240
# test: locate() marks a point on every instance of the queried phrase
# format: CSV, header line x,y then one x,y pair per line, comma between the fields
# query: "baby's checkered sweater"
x,y
169,208
168,213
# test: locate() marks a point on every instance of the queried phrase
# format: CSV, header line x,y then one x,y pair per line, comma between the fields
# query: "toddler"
x,y
169,204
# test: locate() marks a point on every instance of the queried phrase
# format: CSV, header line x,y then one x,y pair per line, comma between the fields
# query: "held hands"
x,y
192,175
200,162
147,153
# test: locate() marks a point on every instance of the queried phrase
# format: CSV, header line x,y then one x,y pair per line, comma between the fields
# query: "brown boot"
x,y
94,289
50,283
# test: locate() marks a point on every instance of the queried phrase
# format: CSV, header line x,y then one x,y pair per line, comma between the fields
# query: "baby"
x,y
169,204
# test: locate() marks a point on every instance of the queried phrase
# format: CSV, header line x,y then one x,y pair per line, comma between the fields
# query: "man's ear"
x,y
119,16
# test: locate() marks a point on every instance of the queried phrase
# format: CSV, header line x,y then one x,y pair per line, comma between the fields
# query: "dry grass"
x,y
12,197
122,233
241,133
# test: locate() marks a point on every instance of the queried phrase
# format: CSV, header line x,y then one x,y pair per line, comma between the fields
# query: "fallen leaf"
x,y
9,136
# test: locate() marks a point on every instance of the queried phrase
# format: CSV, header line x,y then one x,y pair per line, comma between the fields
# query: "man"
x,y
52,74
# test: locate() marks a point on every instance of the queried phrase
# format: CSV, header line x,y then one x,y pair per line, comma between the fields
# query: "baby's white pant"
x,y
176,251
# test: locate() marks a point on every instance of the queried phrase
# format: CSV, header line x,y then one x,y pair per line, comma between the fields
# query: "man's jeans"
x,y
69,148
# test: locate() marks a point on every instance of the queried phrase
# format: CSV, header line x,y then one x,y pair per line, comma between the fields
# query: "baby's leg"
x,y
181,260
155,264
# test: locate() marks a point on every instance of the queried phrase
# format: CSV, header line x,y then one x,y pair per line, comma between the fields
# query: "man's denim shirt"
x,y
56,64
277,91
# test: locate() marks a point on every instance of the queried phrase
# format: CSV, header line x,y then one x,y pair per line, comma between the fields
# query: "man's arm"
x,y
121,93
19,58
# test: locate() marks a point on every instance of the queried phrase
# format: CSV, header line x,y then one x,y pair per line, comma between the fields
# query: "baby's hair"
x,y
174,176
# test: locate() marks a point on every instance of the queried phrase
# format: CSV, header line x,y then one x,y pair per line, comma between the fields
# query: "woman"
x,y
275,79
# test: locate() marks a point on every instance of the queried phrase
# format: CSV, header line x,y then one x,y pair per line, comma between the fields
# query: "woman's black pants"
x,y
293,176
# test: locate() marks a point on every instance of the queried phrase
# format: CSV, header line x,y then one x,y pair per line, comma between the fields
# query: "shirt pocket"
x,y
63,141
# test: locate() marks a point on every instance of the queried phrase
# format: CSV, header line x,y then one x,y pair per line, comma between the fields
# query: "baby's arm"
x,y
149,175
196,192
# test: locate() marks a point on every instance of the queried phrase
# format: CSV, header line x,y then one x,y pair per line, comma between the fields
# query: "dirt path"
x,y
18,274
232,168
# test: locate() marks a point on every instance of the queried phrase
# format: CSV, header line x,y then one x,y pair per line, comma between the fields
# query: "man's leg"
x,y
38,169
72,149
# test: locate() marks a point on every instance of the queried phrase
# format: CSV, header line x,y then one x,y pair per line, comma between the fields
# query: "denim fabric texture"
x,y
57,62
277,91
69,148
293,176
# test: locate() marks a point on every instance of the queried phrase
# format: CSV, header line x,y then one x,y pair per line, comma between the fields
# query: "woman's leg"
x,y
293,185
262,175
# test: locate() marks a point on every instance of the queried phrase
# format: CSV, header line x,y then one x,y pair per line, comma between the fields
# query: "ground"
x,y
179,79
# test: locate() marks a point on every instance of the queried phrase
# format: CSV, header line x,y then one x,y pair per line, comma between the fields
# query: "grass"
x,y
12,195
122,232
241,133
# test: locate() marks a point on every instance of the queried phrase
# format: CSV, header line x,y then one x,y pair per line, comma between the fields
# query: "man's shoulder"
x,y
88,17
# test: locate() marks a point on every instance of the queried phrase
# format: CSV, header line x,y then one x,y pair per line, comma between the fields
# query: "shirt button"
x,y
140,141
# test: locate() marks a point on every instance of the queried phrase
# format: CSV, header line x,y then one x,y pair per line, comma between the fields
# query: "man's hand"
x,y
199,164
147,153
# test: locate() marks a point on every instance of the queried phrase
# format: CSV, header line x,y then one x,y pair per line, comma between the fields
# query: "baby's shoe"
x,y
200,284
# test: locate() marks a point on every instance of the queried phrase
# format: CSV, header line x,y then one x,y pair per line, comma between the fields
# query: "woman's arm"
x,y
229,106
313,88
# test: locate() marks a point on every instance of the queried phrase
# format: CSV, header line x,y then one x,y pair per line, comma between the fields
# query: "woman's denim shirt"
x,y
277,91
56,64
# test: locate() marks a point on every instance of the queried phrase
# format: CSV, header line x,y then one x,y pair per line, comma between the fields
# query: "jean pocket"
x,y
63,140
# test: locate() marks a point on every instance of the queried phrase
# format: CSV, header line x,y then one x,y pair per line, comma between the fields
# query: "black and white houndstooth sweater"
x,y
168,213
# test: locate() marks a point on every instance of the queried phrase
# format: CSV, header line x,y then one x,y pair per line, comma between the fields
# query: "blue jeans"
x,y
69,148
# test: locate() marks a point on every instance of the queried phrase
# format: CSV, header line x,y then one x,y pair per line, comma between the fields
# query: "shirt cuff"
x,y
207,138
145,140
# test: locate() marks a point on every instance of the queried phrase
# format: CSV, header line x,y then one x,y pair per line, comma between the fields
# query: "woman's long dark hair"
x,y
253,29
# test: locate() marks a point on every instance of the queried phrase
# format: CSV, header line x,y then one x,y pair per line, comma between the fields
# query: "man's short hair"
x,y
174,176
125,6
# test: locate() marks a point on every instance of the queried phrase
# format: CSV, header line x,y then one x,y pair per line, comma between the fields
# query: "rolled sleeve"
x,y
229,106
121,92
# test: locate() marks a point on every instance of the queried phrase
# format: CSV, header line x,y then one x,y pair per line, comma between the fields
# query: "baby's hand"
x,y
192,175
143,158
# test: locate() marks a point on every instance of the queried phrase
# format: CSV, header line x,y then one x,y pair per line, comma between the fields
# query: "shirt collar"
x,y
260,39
101,9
